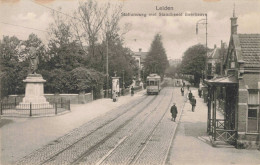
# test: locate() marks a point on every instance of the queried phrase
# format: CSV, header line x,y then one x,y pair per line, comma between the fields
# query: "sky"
x,y
178,32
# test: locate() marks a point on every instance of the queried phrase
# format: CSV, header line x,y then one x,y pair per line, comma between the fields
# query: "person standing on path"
x,y
132,91
114,96
193,103
199,91
174,112
190,95
182,91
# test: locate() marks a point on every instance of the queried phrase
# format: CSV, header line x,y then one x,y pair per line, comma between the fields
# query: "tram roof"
x,y
153,76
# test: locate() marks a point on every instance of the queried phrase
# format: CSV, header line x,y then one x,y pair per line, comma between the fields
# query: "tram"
x,y
153,84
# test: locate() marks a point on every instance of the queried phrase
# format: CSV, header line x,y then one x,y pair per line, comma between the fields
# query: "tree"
x,y
171,71
156,60
15,62
10,65
85,80
193,61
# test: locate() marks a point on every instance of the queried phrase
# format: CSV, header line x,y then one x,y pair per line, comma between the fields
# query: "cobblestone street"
x,y
136,133
140,131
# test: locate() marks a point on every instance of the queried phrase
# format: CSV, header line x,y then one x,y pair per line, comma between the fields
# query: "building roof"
x,y
215,53
231,79
250,48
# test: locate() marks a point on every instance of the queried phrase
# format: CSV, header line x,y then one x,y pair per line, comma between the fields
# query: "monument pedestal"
x,y
34,93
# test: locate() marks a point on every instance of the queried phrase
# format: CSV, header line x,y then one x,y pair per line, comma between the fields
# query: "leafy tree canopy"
x,y
193,61
156,60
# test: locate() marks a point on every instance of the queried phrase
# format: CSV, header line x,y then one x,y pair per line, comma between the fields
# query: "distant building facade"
x,y
174,62
140,59
215,61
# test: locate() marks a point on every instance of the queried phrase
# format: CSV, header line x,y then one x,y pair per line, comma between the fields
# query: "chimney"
x,y
233,23
215,46
140,49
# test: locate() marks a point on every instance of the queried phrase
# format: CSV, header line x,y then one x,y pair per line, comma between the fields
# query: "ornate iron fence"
x,y
225,135
31,109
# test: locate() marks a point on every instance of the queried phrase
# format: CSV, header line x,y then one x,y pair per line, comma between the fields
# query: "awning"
x,y
226,80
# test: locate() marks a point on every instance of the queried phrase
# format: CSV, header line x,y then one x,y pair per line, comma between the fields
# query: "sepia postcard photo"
x,y
158,82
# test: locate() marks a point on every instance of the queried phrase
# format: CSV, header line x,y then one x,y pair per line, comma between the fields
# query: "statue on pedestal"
x,y
34,60
34,88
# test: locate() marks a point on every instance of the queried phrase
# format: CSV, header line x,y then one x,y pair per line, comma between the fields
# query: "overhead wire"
x,y
23,26
37,3
36,28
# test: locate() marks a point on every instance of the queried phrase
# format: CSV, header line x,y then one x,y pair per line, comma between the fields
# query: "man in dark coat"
x,y
132,91
190,96
193,103
174,112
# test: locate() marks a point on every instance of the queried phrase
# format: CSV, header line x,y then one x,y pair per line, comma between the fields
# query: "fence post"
x,y
69,105
1,108
56,108
30,109
15,101
61,103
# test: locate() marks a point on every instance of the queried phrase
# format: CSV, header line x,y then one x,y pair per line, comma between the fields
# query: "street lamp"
x,y
107,76
204,22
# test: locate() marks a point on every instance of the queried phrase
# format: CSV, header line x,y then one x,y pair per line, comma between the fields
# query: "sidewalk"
x,y
191,144
20,136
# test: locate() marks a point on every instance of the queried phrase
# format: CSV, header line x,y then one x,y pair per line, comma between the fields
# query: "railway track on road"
x,y
126,135
52,150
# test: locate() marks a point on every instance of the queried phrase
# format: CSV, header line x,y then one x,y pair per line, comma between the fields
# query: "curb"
x,y
166,161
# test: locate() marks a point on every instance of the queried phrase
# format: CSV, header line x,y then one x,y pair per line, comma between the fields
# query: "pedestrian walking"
x,y
190,95
188,87
174,112
182,91
199,91
193,103
132,91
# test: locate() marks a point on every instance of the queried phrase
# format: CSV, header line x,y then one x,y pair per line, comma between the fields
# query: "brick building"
x,y
237,93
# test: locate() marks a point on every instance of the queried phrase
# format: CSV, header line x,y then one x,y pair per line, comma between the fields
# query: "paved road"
x,y
139,132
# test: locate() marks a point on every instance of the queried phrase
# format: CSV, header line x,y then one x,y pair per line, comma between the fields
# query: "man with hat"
x,y
193,103
174,112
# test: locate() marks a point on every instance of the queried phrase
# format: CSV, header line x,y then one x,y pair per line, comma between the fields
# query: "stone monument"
x,y
34,91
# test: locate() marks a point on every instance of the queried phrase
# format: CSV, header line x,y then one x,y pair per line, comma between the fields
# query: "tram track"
x,y
134,160
98,145
84,160
128,151
80,150
51,150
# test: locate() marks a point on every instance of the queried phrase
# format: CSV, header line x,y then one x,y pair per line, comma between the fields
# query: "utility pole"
x,y
206,46
204,22
107,67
